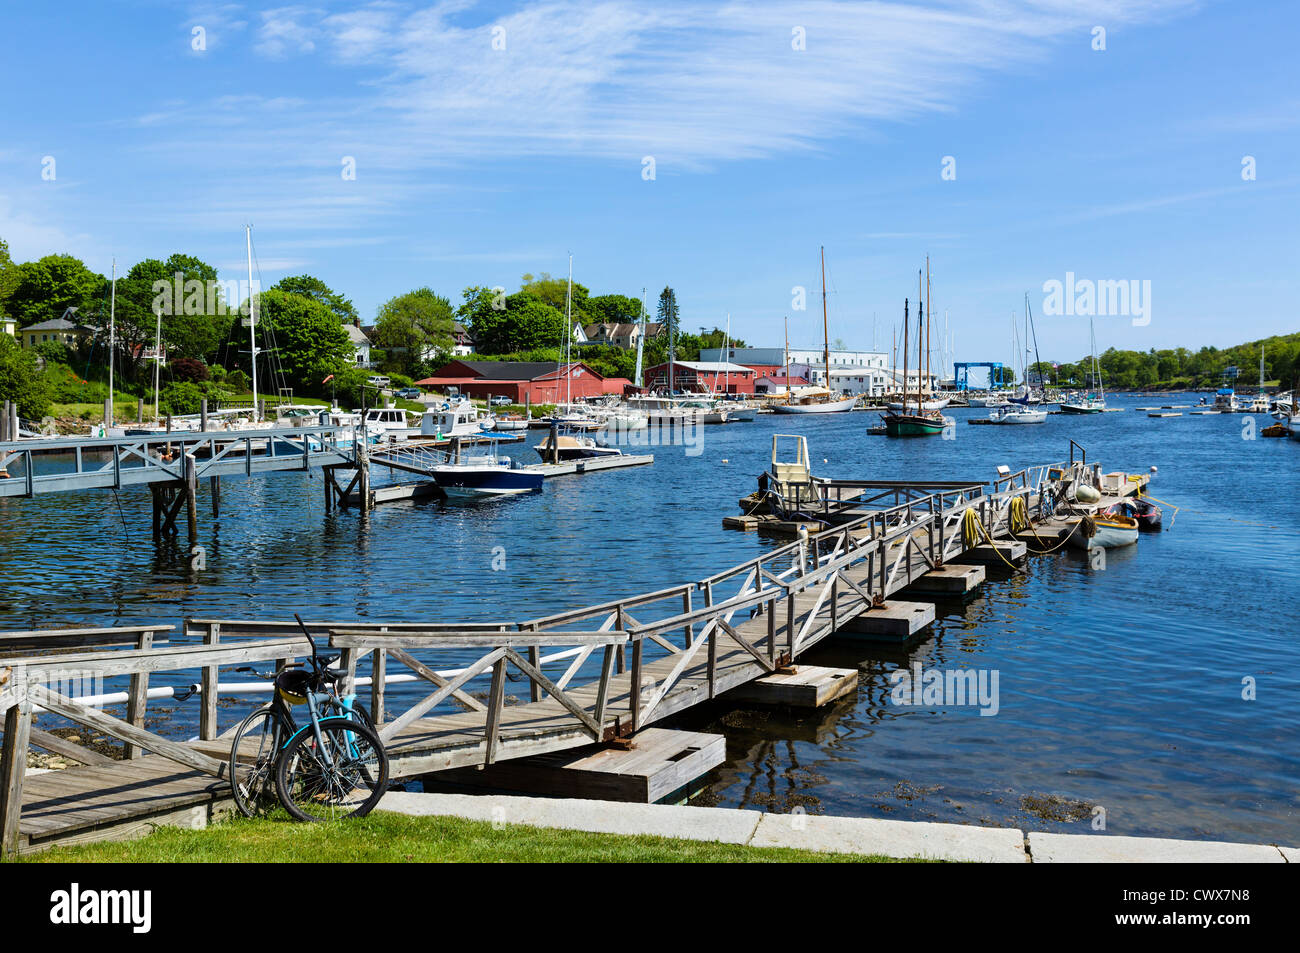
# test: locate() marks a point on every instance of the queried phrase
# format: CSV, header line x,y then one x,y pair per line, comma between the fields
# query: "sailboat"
x,y
823,405
922,423
1019,409
1093,403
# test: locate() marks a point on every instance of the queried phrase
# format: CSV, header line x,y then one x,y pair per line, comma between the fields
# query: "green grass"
x,y
122,410
396,838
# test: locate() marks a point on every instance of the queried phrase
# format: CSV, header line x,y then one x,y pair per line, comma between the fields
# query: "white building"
x,y
857,372
361,343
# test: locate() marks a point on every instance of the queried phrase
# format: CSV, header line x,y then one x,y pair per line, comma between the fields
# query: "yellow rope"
x,y
970,523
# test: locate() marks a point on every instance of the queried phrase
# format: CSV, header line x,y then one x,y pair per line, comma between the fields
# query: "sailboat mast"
x,y
826,329
640,341
252,318
568,337
787,359
157,362
906,323
112,343
920,307
928,308
726,357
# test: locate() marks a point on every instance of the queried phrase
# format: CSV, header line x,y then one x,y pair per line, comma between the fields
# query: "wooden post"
x,y
688,631
13,768
4,423
138,697
139,410
191,498
363,471
555,441
203,414
496,701
169,423
378,672
208,711
108,414
634,695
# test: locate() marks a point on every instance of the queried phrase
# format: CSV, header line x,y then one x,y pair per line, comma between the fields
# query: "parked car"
x,y
500,400
410,393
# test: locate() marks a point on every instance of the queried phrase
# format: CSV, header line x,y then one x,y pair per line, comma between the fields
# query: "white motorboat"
x,y
1017,414
575,447
990,400
485,474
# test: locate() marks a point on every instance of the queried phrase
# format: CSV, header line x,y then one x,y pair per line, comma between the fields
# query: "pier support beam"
x,y
999,551
660,764
952,581
895,621
191,498
807,686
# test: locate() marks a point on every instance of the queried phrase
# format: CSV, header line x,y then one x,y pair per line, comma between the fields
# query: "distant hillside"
x,y
1180,367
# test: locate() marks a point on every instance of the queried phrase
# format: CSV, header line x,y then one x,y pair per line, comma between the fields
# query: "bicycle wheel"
x,y
252,761
343,775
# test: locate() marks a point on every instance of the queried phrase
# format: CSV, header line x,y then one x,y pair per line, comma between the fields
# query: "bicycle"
x,y
333,766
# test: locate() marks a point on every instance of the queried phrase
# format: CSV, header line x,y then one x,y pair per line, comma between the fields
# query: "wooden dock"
x,y
598,675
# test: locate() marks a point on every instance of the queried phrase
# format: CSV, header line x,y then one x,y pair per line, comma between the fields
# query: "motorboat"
x,y
1147,514
485,474
1084,404
450,420
989,400
1017,414
571,446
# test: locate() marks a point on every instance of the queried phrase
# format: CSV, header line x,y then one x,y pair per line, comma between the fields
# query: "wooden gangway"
x,y
594,674
38,466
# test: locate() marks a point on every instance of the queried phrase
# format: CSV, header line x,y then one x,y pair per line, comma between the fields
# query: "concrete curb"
x,y
1113,849
845,835
726,825
903,839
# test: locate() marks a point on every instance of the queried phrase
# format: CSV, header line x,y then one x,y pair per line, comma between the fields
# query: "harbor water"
x,y
1156,695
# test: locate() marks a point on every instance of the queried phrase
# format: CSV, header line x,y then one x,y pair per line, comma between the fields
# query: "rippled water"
x,y
1121,688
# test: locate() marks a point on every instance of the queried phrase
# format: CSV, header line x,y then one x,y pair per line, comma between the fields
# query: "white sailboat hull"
x,y
828,407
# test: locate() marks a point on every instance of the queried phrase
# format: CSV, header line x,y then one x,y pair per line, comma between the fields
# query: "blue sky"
x,y
475,165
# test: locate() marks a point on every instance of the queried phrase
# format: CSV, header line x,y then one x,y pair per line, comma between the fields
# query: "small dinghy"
x,y
1106,532
1147,514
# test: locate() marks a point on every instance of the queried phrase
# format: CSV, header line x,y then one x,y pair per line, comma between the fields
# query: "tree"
x,y
613,309
44,289
412,327
195,315
7,274
309,343
312,287
525,322
553,291
667,313
20,381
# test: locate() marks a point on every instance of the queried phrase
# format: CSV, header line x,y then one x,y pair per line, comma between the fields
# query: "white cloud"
x,y
287,30
685,83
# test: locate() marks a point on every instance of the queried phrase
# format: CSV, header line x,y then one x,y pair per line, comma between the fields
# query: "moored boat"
x,y
485,475
1017,414
1106,532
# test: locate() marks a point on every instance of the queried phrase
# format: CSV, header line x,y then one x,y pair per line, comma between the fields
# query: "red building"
x,y
712,376
534,382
